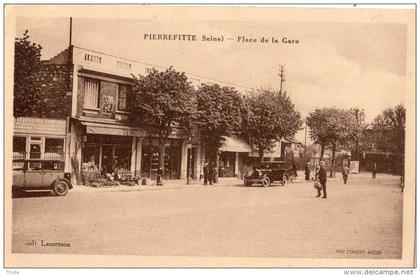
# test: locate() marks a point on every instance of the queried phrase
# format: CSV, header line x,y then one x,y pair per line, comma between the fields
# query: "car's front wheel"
x,y
60,188
266,182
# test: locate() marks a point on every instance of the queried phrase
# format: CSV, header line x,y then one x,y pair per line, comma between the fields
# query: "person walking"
x,y
206,171
294,168
345,173
374,171
307,171
323,179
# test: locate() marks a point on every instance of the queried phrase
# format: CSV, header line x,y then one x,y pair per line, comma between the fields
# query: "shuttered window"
x,y
91,93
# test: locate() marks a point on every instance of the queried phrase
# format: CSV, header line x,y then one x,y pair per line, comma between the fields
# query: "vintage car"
x,y
267,173
40,174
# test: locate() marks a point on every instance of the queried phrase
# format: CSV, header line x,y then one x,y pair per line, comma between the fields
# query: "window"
x,y
122,97
91,90
19,144
51,166
54,147
34,166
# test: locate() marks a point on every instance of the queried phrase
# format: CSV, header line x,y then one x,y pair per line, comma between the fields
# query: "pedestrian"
x,y
206,172
322,174
374,170
307,171
294,168
212,173
345,173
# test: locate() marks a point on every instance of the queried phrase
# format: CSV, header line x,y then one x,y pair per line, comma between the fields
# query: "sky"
x,y
334,64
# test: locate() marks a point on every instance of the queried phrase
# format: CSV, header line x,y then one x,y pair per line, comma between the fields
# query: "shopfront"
x,y
35,138
106,153
233,154
150,158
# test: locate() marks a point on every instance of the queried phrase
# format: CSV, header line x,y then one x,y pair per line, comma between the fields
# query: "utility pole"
x,y
282,79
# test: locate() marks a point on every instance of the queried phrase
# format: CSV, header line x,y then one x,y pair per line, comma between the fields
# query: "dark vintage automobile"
x,y
40,174
267,173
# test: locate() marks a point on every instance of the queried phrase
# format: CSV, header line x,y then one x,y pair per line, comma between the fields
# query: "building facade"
x,y
90,91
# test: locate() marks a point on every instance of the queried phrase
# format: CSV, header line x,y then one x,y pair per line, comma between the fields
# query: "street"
x,y
362,219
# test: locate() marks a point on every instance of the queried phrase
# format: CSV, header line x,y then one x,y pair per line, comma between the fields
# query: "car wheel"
x,y
247,183
266,182
60,188
285,179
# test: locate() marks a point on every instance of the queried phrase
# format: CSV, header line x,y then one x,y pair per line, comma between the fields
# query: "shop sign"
x,y
40,126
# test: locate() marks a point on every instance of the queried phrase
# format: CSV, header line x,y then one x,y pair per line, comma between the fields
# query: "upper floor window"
x,y
122,97
91,93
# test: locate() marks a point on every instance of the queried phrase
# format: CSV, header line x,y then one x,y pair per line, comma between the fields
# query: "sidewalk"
x,y
182,183
167,184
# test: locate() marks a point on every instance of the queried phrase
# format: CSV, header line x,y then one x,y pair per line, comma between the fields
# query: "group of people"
x,y
209,170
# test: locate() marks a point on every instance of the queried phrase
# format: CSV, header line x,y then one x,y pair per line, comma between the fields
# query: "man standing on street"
x,y
212,173
206,172
374,170
323,179
345,173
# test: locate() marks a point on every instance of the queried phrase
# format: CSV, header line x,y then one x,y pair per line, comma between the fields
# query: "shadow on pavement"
x,y
23,194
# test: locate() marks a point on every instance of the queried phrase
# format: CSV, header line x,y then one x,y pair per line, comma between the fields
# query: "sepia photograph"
x,y
209,136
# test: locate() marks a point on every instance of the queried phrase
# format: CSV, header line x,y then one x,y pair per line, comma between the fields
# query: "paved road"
x,y
225,220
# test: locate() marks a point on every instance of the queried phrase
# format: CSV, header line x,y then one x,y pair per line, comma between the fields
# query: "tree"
x,y
270,117
26,65
219,113
161,102
357,127
330,126
389,129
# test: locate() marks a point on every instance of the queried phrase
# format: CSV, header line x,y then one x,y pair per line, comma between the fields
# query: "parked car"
x,y
267,173
40,174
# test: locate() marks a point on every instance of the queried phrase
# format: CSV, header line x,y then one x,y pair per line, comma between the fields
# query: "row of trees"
x,y
346,129
164,101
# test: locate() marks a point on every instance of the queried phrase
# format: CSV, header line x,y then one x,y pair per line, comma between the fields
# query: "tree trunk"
x,y
216,165
322,152
332,173
260,153
161,169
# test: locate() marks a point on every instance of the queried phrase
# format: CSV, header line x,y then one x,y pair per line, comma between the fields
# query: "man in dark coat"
x,y
212,173
345,173
206,170
323,179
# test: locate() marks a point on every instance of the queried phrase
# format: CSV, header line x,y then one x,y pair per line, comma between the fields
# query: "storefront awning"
x,y
235,144
96,128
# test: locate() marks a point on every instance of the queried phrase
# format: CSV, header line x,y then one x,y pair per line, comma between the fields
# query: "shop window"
x,y
19,147
54,147
123,158
122,97
90,160
91,90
